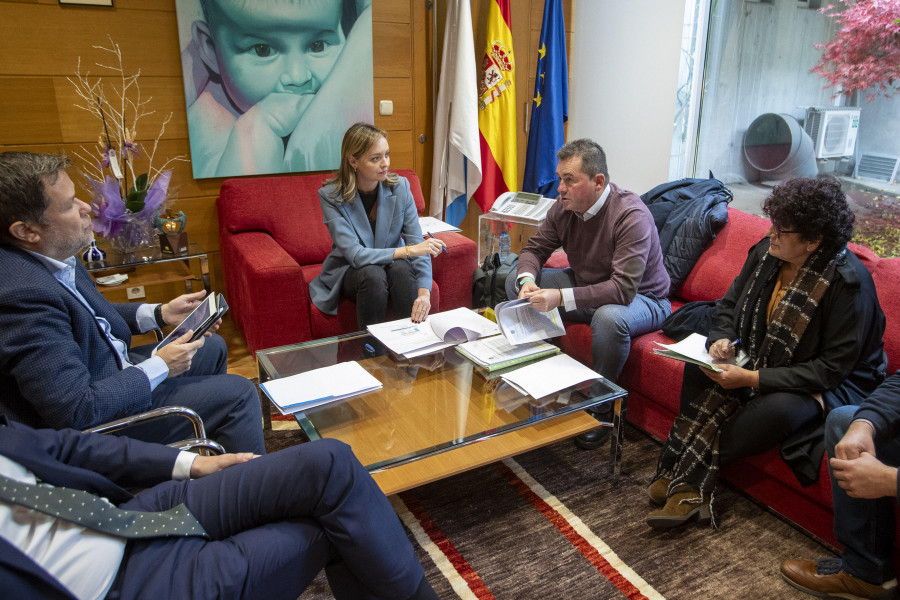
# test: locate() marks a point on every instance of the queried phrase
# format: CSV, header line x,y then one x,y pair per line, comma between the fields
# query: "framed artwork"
x,y
271,87
88,2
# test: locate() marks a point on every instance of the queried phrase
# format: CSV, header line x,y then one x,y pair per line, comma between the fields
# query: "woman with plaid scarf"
x,y
805,311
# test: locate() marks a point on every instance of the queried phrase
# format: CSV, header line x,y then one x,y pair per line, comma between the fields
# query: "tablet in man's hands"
x,y
200,320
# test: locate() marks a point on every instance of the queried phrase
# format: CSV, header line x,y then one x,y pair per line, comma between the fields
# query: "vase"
x,y
136,233
93,253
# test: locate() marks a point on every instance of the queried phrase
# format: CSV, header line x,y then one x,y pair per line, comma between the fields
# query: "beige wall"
x,y
41,41
626,55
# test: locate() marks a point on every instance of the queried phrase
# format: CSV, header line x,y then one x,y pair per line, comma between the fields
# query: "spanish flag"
x,y
497,109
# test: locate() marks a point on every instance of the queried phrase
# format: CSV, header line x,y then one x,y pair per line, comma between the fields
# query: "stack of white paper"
x,y
319,386
438,331
549,375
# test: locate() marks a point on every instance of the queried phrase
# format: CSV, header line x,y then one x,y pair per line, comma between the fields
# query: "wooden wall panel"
x,y
29,112
391,11
392,47
399,91
41,41
48,39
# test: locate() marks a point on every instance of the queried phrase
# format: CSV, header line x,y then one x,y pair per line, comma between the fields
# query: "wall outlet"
x,y
136,292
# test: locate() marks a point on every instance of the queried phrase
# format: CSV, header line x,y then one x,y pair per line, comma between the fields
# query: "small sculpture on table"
x,y
172,238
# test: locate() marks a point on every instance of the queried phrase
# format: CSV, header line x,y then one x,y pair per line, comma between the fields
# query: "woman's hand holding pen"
x,y
432,246
723,349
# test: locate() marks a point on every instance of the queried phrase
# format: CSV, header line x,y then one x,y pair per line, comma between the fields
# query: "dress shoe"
x,y
659,491
827,579
677,513
592,439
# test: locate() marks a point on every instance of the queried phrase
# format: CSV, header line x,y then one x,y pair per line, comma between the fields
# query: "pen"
x,y
734,343
443,248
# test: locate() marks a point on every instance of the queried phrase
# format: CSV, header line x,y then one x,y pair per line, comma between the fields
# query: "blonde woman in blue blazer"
x,y
378,254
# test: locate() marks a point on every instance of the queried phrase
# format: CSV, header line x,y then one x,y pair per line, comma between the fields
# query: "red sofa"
x,y
654,382
273,243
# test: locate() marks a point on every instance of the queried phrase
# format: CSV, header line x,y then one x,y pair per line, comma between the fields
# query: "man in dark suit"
x,y
272,522
864,450
65,359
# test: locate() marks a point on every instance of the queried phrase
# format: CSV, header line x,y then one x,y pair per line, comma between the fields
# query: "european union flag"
x,y
550,107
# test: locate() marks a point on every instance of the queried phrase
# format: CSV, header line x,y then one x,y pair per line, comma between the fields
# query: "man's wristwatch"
x,y
157,314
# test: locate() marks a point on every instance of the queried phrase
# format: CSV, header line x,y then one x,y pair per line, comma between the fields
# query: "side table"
x,y
169,268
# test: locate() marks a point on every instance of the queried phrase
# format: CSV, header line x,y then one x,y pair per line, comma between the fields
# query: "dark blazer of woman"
x,y
841,354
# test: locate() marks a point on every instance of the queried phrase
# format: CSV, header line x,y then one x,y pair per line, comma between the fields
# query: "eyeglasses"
x,y
780,232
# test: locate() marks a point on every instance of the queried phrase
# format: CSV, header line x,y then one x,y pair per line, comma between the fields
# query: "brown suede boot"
x,y
658,491
677,512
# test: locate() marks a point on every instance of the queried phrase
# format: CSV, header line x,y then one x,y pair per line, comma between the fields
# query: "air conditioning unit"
x,y
833,130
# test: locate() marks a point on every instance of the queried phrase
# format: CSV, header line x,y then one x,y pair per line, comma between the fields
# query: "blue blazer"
x,y
353,244
95,463
57,368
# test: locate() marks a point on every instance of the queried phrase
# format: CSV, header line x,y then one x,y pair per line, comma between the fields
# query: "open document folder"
x,y
319,386
520,323
437,332
692,349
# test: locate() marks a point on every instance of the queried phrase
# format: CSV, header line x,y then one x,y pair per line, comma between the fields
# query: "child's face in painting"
x,y
269,46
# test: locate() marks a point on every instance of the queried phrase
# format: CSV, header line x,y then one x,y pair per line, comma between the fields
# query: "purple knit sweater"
x,y
614,254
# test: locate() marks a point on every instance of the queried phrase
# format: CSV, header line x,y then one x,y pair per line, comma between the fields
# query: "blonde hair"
x,y
358,140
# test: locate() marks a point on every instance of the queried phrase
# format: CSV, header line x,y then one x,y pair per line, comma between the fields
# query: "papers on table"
x,y
550,375
319,386
432,225
692,349
438,331
521,323
496,352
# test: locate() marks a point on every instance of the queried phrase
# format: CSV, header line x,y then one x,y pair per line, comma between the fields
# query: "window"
x,y
763,116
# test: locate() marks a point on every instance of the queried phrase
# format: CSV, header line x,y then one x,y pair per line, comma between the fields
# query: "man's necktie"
x,y
93,512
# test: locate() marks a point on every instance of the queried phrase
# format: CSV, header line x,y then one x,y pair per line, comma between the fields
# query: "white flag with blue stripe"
x,y
457,153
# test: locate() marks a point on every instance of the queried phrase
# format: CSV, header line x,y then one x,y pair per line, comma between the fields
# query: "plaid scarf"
x,y
691,452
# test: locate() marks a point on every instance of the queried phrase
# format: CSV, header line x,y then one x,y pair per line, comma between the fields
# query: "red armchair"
x,y
273,243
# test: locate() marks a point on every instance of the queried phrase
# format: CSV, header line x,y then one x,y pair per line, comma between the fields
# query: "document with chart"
x,y
521,323
438,331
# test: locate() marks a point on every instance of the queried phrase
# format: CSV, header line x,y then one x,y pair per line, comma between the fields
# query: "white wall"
x,y
625,59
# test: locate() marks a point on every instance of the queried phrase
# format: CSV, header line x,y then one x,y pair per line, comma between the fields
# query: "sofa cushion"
x,y
887,285
722,261
287,208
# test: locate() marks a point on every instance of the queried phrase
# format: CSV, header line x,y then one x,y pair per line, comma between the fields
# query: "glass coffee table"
x,y
437,415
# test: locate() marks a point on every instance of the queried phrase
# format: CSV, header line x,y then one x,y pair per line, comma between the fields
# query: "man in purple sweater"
x,y
616,281
863,449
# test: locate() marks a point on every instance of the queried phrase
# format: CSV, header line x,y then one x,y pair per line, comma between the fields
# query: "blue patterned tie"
x,y
93,512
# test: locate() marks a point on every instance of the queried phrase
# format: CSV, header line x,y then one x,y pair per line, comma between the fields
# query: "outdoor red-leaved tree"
x,y
865,52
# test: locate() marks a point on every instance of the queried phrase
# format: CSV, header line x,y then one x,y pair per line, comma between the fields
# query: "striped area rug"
x,y
554,524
